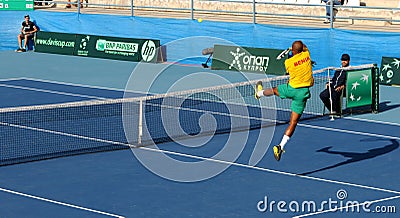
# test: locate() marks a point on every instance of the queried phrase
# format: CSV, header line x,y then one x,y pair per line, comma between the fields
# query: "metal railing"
x,y
254,9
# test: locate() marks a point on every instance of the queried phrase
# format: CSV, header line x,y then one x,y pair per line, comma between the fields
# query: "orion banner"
x,y
247,59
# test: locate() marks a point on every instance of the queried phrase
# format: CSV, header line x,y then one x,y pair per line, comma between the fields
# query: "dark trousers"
x,y
324,96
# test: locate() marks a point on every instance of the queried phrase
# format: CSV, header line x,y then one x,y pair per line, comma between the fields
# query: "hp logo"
x,y
148,50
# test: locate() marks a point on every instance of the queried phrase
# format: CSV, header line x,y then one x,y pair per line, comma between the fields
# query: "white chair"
x,y
302,2
278,1
397,11
316,2
352,3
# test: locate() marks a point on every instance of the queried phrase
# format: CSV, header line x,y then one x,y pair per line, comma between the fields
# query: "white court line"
x,y
59,203
61,83
71,84
372,121
11,79
348,131
80,85
53,92
347,207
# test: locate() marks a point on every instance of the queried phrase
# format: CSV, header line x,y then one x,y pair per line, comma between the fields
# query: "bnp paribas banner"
x,y
117,48
55,43
390,71
258,60
362,88
97,46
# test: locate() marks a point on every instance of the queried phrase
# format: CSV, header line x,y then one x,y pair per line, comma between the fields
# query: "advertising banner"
x,y
55,43
362,88
117,48
247,59
16,5
390,71
98,46
359,88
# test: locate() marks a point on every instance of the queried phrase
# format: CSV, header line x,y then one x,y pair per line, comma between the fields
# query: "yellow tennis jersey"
x,y
299,68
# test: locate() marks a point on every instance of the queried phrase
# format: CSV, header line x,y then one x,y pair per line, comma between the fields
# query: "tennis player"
x,y
299,68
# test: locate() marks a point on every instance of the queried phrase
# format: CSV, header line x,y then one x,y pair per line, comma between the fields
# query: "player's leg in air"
x,y
278,149
298,105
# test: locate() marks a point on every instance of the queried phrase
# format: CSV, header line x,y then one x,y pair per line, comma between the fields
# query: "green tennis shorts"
x,y
299,96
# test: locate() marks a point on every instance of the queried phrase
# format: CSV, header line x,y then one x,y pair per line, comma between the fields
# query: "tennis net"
x,y
48,131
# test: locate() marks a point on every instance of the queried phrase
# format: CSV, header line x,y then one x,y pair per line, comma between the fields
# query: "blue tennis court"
x,y
341,168
353,159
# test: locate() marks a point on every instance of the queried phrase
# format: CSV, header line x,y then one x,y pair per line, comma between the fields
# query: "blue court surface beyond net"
x,y
322,159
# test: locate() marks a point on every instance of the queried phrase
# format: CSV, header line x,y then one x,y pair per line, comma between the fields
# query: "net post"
x,y
140,126
330,95
375,89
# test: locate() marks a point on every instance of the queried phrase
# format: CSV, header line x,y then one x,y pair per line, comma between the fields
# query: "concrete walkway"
x,y
341,23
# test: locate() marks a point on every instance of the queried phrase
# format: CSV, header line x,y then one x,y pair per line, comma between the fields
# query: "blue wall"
x,y
325,44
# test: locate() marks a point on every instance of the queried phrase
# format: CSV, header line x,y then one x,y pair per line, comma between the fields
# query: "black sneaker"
x,y
19,50
23,50
278,152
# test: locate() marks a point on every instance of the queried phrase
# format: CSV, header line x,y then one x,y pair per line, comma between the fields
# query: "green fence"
x,y
247,59
128,49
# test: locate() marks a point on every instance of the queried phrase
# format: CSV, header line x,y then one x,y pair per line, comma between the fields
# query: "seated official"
x,y
335,87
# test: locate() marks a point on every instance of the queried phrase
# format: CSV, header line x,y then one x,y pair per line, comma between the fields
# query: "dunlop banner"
x,y
257,60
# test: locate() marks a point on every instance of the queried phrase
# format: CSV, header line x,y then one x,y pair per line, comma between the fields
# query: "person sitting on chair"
x,y
335,87
28,31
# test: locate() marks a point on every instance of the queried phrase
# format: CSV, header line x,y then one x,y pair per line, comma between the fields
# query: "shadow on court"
x,y
355,157
385,106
